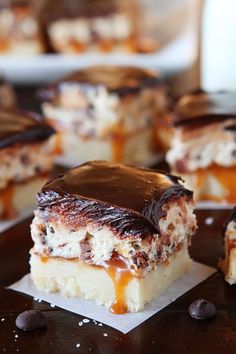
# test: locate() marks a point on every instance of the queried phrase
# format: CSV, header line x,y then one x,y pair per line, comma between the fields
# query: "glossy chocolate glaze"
x,y
121,80
127,199
200,108
22,127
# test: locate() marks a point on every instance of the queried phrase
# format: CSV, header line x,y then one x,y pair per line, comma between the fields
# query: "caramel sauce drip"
x,y
225,175
6,196
58,144
119,271
232,244
44,259
118,148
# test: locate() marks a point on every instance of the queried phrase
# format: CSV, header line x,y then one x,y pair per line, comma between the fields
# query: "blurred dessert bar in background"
x,y
8,100
112,233
228,264
95,25
108,113
203,150
20,31
26,160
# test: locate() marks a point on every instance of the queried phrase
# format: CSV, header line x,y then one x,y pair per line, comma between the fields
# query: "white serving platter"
x,y
175,57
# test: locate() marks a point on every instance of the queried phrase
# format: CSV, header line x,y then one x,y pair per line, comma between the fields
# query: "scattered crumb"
x,y
81,323
86,320
100,324
105,334
2,319
77,345
52,305
209,220
16,336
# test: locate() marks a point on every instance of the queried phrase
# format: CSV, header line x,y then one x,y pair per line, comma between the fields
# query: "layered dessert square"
x,y
110,113
20,31
8,100
228,264
112,233
95,26
204,145
26,160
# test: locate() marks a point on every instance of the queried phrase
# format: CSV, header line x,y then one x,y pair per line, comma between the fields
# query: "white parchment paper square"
x,y
124,323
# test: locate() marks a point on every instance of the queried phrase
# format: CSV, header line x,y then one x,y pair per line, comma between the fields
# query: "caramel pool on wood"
x,y
119,270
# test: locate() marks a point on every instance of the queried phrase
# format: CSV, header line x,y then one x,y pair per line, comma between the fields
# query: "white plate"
x,y
174,57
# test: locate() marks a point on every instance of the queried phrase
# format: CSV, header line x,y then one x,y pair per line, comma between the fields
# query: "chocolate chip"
x,y
50,249
51,229
31,320
25,159
37,169
202,309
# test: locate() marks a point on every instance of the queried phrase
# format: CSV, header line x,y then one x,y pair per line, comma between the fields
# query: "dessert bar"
x,y
228,264
112,233
204,145
111,113
26,155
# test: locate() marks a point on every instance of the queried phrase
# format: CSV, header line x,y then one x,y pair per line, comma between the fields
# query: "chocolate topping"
x,y
127,199
200,108
21,127
121,80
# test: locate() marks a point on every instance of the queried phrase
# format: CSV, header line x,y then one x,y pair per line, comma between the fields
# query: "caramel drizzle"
x,y
118,148
58,144
232,244
119,271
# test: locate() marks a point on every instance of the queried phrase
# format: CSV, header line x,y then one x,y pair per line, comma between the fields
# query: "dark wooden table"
x,y
169,331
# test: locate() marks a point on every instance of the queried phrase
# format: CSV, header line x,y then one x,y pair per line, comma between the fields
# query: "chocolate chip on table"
x,y
202,309
31,320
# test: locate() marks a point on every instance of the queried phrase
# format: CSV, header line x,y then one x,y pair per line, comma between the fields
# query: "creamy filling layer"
x,y
20,162
100,113
95,245
199,148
